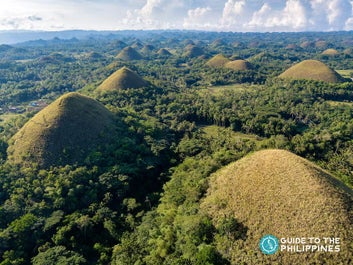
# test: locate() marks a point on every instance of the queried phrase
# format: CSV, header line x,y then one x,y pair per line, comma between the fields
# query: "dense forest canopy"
x,y
137,196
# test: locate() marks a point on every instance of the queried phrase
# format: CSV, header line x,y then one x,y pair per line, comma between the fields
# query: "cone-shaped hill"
x,y
164,52
218,60
129,54
330,52
64,132
279,193
122,79
239,65
147,49
193,51
312,70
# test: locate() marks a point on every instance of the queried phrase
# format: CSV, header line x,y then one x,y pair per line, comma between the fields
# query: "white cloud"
x,y
200,17
235,15
289,15
293,16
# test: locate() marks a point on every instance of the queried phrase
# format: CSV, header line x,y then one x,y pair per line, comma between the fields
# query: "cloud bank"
x,y
226,15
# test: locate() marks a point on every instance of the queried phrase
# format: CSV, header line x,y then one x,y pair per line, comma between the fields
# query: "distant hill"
x,y
93,56
276,192
193,51
164,52
330,52
293,46
129,54
147,49
64,132
307,45
122,79
312,70
321,44
239,65
218,60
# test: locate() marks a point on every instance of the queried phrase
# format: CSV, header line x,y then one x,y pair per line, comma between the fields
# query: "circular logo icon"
x,y
269,244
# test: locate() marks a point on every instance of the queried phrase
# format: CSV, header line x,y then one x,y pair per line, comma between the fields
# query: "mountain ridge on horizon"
x,y
21,36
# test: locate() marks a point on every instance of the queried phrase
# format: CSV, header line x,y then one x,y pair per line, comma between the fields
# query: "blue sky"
x,y
219,15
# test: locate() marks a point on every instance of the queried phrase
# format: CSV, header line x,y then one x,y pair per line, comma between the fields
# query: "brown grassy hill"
x,y
330,52
218,42
92,56
321,44
129,54
118,44
164,52
218,60
293,46
193,51
239,65
307,45
64,132
122,79
312,70
137,45
276,192
348,51
147,49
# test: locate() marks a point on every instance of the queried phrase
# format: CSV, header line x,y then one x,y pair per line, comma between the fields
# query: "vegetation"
x,y
134,170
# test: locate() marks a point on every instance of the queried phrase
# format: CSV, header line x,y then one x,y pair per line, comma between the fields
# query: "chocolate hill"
x,y
129,54
65,132
218,60
239,65
122,79
312,70
279,193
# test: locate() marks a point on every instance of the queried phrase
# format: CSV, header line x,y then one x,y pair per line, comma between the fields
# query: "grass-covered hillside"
x,y
64,132
279,193
122,79
312,70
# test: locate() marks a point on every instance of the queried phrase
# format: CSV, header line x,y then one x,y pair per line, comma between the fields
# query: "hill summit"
x,y
218,60
164,52
122,79
239,65
312,70
193,51
64,132
129,54
279,193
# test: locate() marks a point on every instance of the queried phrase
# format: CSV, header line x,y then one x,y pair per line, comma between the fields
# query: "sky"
x,y
213,15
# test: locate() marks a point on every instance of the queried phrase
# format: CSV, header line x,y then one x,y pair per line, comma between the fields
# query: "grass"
x,y
122,79
236,88
276,192
333,103
346,73
330,52
214,131
218,61
312,70
129,54
62,133
4,118
239,65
